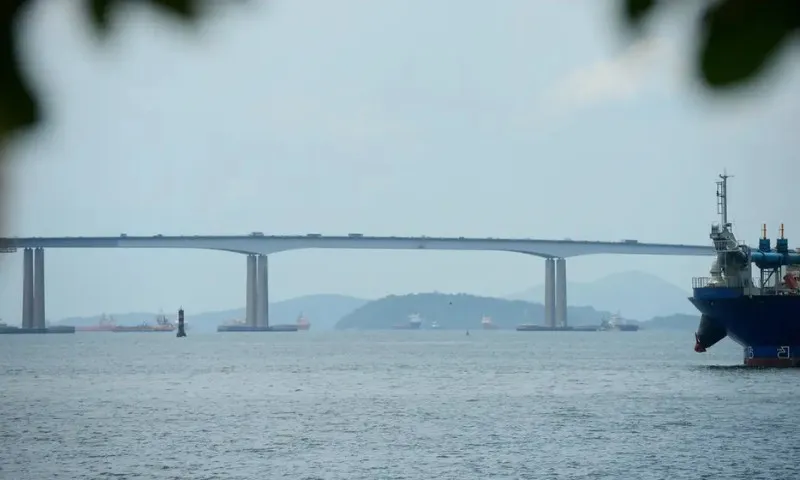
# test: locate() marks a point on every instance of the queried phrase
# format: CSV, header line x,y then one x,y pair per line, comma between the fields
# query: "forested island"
x,y
464,312
455,311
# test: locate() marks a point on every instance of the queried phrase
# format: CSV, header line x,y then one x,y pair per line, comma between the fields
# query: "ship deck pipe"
x,y
773,259
737,256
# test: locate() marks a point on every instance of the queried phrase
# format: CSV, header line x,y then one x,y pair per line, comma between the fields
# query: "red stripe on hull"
x,y
772,362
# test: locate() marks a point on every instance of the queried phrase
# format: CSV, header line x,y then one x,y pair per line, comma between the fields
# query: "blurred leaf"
x,y
99,12
18,107
635,11
184,9
741,36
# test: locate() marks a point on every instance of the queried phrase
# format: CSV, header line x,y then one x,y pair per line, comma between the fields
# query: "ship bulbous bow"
x,y
709,332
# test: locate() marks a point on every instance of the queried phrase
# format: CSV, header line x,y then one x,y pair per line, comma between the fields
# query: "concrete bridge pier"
x,y
549,292
561,292
38,288
262,296
252,291
33,299
27,288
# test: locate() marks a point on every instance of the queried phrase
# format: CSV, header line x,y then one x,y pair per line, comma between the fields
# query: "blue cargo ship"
x,y
761,314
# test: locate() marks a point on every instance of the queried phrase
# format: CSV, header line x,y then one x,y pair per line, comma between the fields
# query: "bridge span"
x,y
257,247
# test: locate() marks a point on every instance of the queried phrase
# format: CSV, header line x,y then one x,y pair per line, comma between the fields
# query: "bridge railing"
x,y
703,282
700,282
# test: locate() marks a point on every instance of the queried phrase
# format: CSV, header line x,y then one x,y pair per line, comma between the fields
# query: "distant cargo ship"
x,y
241,326
413,323
285,327
616,323
162,325
303,323
106,324
486,323
586,328
251,328
435,325
6,329
528,327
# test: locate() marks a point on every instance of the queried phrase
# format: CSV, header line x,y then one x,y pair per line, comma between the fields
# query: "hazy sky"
x,y
515,119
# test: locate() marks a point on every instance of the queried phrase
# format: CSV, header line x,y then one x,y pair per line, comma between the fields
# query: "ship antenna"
x,y
722,199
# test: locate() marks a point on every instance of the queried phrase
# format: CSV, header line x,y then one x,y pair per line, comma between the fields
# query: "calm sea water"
x,y
391,405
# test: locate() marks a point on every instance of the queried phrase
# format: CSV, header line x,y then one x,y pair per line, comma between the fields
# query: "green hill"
x,y
674,322
634,294
459,311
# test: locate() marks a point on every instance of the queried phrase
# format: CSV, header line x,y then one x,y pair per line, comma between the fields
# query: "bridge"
x,y
257,247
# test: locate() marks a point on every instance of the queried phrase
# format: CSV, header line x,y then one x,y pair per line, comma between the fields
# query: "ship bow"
x,y
708,334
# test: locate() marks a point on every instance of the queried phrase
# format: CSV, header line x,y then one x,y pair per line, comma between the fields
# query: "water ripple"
x,y
394,405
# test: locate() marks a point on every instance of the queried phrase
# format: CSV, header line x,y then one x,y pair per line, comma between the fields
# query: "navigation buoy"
x,y
181,328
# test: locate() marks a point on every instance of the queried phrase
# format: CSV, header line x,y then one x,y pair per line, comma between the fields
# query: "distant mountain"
x,y
459,311
634,294
323,311
673,322
464,312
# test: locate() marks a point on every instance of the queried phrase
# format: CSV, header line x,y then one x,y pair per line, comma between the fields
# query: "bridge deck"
x,y
266,244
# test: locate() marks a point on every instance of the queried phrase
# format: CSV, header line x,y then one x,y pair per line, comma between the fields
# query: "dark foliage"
x,y
460,312
19,105
738,39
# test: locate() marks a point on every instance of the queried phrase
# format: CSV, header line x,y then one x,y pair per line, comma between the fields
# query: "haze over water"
x,y
511,119
394,405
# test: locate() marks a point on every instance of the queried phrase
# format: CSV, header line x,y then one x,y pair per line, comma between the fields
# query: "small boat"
x,y
302,322
616,323
105,324
413,323
162,325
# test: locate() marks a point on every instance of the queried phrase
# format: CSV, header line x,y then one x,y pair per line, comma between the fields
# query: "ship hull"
x,y
627,328
766,326
94,328
142,330
17,330
587,328
543,328
250,328
411,326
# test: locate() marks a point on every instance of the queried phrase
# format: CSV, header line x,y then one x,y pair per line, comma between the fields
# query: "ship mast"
x,y
722,199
